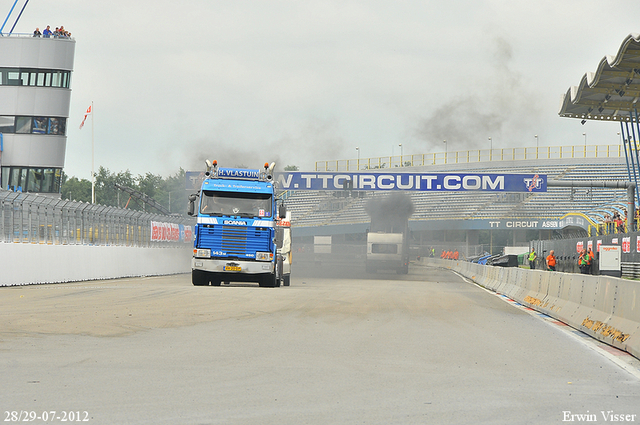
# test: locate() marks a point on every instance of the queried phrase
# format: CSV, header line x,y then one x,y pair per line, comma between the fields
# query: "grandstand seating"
x,y
317,208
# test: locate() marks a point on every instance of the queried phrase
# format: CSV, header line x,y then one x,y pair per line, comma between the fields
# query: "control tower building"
x,y
35,92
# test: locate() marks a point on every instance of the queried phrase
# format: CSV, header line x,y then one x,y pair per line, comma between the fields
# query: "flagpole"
x,y
93,174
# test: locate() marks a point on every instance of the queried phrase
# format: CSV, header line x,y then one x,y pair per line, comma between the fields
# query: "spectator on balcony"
x,y
64,33
608,223
47,32
37,33
619,224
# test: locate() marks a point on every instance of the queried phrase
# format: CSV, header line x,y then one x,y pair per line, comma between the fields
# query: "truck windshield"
x,y
236,204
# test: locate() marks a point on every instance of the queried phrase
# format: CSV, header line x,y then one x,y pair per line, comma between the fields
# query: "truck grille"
x,y
235,240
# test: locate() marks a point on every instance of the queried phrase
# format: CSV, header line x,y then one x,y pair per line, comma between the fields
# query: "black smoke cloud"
x,y
316,140
499,106
390,211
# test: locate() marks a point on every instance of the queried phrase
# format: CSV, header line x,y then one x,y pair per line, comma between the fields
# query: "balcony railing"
x,y
472,156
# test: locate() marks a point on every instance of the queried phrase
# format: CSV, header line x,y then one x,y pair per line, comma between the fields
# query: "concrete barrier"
x,y
23,264
604,307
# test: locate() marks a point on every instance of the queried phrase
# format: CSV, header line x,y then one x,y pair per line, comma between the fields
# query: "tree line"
x,y
170,192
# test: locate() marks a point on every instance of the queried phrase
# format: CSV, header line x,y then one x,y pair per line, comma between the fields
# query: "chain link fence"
x,y
37,219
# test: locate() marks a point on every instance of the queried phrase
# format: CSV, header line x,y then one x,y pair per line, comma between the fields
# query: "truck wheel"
x,y
269,281
286,280
199,278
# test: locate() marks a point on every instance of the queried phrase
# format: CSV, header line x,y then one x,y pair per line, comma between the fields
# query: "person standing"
x,y
37,33
583,261
532,259
47,32
551,262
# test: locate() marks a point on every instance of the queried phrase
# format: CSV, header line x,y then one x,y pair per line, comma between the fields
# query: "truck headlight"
x,y
264,256
202,253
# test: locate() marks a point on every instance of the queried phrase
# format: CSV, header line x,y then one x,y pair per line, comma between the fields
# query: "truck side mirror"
x,y
282,211
192,205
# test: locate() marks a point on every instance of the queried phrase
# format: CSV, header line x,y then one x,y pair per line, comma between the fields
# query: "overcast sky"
x,y
245,82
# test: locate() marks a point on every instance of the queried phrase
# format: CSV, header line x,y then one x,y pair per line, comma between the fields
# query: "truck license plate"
x,y
232,268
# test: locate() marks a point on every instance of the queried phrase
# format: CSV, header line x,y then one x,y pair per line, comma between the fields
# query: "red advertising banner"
x,y
161,231
188,234
626,244
579,246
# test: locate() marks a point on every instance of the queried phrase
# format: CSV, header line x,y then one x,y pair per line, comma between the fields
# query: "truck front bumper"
x,y
231,266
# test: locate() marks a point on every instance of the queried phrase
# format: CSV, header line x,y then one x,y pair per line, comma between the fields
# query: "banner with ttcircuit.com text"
x,y
435,182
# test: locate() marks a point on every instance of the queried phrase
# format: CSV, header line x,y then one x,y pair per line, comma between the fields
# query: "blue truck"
x,y
241,234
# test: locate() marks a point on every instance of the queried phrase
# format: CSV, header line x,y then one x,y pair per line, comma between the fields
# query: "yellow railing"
x,y
471,156
610,228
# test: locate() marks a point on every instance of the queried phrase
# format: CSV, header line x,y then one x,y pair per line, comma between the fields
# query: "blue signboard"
x,y
429,182
238,173
381,181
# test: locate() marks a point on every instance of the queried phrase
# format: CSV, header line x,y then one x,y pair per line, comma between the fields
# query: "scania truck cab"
x,y
236,237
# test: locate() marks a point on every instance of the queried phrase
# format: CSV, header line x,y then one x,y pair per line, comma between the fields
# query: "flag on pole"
x,y
85,117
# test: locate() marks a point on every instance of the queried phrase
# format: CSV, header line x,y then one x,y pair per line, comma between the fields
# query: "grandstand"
x,y
609,94
319,212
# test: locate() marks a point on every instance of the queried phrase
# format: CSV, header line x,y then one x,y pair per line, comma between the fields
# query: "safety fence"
x,y
38,219
473,156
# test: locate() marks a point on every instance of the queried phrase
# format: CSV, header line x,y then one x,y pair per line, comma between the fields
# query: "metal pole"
x,y
633,161
19,15
93,174
635,148
624,145
630,186
7,18
1,149
631,207
445,151
635,144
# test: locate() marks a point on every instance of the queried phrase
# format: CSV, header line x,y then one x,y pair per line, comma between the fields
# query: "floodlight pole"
x,y
490,149
445,151
93,174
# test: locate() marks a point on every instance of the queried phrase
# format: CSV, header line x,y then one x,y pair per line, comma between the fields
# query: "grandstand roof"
x,y
612,91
